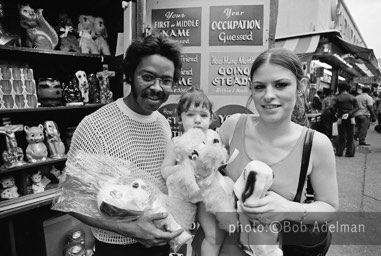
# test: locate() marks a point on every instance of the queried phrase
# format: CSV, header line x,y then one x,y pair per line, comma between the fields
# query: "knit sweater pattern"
x,y
117,131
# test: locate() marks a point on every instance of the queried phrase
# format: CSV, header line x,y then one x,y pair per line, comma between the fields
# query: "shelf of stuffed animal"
x,y
26,202
92,106
32,165
5,49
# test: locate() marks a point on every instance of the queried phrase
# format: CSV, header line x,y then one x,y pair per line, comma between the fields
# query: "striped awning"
x,y
299,45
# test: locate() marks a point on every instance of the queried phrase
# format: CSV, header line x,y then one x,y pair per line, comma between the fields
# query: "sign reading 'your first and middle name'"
x,y
182,24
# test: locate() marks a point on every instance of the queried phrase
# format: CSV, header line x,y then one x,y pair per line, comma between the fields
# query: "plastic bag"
x,y
104,187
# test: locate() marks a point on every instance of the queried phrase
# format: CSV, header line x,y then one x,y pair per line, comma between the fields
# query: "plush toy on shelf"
x,y
13,156
39,33
85,31
100,35
39,182
36,150
53,140
9,189
67,33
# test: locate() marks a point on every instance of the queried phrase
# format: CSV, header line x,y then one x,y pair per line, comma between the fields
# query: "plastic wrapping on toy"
x,y
104,187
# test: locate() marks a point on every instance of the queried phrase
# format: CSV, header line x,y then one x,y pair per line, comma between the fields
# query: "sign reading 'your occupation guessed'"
x,y
236,25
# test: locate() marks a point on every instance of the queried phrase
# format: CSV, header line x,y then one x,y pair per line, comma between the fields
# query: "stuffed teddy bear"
x,y
253,183
99,35
67,33
198,179
85,30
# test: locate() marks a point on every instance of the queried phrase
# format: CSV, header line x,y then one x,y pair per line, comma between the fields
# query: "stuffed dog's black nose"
x,y
249,186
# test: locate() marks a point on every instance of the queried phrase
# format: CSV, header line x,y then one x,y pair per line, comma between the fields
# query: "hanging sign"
x,y
236,25
182,24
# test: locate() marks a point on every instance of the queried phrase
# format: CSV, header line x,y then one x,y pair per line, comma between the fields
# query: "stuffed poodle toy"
x,y
198,179
85,31
100,35
253,183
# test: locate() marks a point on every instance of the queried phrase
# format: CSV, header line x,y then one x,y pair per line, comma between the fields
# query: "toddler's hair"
x,y
193,96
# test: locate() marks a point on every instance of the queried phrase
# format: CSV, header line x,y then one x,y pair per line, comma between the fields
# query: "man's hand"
x,y
145,232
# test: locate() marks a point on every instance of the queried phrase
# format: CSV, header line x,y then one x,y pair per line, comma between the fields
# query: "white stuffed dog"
x,y
255,180
198,179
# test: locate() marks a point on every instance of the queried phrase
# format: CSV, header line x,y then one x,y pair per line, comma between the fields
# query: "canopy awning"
x,y
299,45
307,44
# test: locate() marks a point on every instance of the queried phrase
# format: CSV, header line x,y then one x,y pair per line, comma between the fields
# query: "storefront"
x,y
329,58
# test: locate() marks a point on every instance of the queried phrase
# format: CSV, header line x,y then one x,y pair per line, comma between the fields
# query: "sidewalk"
x,y
359,181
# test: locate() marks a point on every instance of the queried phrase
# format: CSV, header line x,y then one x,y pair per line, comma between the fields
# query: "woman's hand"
x,y
272,207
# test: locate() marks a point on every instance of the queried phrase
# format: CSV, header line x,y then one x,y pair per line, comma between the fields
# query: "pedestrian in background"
x,y
346,105
317,101
364,115
328,113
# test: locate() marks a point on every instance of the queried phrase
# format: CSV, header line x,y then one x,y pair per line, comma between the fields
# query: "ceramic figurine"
x,y
9,193
36,150
39,33
57,174
53,140
83,85
104,82
5,37
9,188
94,90
37,186
13,156
71,93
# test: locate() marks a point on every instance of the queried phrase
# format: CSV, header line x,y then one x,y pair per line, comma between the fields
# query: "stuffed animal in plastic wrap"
x,y
105,187
85,31
67,33
253,183
36,150
100,35
198,178
39,33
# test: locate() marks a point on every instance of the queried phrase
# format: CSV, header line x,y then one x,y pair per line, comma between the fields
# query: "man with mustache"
x,y
132,129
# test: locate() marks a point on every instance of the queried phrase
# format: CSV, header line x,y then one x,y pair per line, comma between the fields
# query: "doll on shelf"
x,y
9,189
39,182
13,156
57,174
53,140
104,82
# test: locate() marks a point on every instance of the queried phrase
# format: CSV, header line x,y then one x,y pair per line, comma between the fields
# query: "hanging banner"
x,y
236,25
182,24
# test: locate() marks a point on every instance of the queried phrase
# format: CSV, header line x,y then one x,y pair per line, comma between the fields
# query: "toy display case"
x,y
23,71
